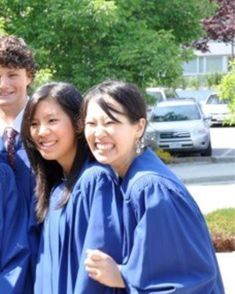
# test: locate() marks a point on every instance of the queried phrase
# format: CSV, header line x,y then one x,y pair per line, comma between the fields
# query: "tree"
x,y
2,26
221,26
87,41
227,89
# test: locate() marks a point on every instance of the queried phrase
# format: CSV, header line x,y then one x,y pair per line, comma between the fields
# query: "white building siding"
x,y
214,61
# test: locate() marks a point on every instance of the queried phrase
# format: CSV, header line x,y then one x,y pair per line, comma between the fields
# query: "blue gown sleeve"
x,y
170,250
24,175
102,210
14,251
25,182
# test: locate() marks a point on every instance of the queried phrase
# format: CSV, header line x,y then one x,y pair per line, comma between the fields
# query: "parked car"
x,y
200,95
179,125
161,93
217,109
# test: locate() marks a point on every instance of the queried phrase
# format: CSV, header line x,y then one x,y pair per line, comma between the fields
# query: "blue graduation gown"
x,y
14,250
25,182
23,172
167,247
91,219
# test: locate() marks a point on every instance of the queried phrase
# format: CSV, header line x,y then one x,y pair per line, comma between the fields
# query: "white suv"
x,y
179,125
161,93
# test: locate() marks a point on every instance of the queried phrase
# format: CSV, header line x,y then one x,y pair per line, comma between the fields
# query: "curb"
x,y
188,170
223,159
207,179
214,159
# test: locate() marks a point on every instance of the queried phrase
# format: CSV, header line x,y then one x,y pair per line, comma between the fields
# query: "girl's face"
x,y
53,133
112,142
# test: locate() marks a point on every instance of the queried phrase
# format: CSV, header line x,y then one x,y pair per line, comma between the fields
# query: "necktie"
x,y
9,137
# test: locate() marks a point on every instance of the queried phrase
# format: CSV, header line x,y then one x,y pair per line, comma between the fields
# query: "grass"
x,y
222,220
221,225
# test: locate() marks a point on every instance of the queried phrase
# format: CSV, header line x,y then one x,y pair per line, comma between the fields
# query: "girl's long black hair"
x,y
49,172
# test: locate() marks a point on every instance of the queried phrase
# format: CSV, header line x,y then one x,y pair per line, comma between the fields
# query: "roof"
x,y
180,101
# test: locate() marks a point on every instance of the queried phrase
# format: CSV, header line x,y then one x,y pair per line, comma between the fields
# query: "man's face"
x,y
13,88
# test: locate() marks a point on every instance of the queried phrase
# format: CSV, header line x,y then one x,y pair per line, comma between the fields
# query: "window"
x,y
190,67
214,99
157,95
214,64
170,93
175,113
201,64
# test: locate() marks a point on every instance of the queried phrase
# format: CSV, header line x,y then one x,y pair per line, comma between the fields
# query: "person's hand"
x,y
102,268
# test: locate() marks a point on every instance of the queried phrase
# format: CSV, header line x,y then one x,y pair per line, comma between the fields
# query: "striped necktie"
x,y
9,138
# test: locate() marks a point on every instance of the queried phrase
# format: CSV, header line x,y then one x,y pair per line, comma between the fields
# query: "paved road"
x,y
226,262
211,196
223,141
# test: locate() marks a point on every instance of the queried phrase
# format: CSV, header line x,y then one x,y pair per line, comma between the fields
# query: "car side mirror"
x,y
207,117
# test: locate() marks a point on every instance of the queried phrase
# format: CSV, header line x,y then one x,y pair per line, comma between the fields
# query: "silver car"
x,y
179,125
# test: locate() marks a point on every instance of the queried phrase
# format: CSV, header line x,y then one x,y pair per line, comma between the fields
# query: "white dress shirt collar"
x,y
16,124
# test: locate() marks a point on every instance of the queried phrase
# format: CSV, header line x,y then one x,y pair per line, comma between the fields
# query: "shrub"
x,y
194,82
164,155
221,225
226,89
213,79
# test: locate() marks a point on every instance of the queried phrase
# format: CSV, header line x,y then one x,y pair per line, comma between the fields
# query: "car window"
x,y
214,99
199,95
175,113
157,95
170,93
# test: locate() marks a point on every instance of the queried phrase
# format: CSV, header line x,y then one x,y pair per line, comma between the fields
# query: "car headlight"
x,y
200,131
151,135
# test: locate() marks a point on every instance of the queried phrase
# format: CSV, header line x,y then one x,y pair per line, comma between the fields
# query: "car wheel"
x,y
208,151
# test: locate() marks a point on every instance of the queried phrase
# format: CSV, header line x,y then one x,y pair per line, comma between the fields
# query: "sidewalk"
x,y
204,171
226,262
221,174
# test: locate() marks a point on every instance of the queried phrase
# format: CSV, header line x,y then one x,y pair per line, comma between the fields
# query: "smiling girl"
x,y
78,202
166,243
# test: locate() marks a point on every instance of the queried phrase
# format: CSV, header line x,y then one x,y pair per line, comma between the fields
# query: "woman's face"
x,y
53,133
112,142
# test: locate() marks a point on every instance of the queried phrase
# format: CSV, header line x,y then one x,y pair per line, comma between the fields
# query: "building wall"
x,y
214,61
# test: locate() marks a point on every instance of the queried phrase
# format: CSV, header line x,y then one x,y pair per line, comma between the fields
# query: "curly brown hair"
x,y
14,53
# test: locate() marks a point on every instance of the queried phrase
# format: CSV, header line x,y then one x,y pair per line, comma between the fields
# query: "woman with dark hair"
x,y
166,243
77,200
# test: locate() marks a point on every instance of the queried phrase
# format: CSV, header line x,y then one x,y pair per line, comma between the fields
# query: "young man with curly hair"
x,y
17,71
